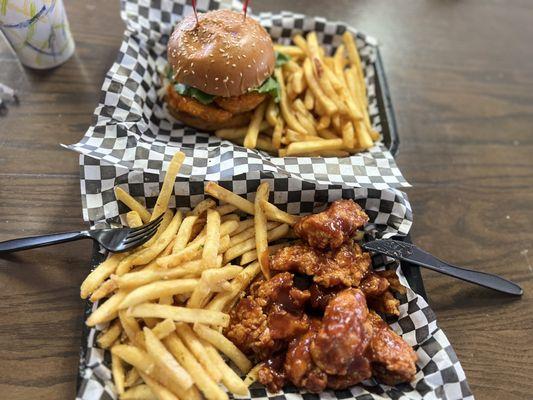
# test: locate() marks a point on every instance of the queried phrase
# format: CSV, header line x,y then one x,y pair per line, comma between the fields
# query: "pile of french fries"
x,y
167,301
323,110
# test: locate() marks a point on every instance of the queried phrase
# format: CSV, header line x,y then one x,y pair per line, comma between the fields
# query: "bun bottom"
x,y
236,121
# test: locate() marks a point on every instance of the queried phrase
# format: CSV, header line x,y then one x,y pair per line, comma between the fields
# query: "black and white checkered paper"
x,y
133,138
133,129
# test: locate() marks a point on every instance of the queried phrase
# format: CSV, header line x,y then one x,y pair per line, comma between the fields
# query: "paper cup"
x,y
38,30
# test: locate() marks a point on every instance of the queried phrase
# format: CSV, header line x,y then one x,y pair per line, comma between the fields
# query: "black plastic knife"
x,y
410,253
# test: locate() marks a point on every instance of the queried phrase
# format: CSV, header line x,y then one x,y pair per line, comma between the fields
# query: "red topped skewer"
x,y
245,8
194,9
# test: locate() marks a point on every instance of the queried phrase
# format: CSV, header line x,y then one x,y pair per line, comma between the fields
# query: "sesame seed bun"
x,y
223,55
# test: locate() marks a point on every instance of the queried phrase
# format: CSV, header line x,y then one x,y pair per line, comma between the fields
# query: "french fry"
x,y
304,117
286,111
348,135
250,140
276,136
135,357
149,310
294,149
291,51
106,311
239,283
100,274
251,376
339,60
104,290
132,204
150,253
261,231
165,361
197,348
158,289
243,225
229,378
290,67
363,136
241,248
329,106
202,207
272,113
225,229
298,82
168,184
218,192
293,136
132,378
109,336
323,123
224,345
165,222
248,233
117,370
189,253
139,392
309,99
273,213
327,134
238,133
301,43
213,277
212,239
353,54
201,378
163,329
194,250
161,392
226,209
265,144
230,217
131,328
184,233
133,219
200,296
143,277
251,255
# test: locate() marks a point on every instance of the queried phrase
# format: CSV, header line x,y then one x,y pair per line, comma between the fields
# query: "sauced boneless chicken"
x,y
331,228
317,331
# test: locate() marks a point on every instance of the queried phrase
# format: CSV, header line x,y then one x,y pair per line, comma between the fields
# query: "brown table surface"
x,y
461,78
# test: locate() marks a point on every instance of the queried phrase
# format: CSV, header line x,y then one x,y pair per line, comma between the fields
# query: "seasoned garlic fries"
x,y
167,300
323,106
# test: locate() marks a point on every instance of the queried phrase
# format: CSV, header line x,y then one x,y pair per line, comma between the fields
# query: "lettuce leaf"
x,y
281,58
197,94
271,87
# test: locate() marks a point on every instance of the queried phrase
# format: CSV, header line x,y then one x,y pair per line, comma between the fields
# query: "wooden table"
x,y
461,77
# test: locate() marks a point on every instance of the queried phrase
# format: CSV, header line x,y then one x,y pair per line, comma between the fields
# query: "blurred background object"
x,y
38,31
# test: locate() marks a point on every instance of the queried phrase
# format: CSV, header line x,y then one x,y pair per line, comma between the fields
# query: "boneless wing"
x,y
345,266
392,359
332,227
344,333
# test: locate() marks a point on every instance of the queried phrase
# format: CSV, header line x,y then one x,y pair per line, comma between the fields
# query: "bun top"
x,y
222,55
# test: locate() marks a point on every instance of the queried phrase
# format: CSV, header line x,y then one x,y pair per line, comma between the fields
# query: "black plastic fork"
x,y
115,240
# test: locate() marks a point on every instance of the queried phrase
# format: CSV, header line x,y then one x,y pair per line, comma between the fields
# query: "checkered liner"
x,y
133,129
440,375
